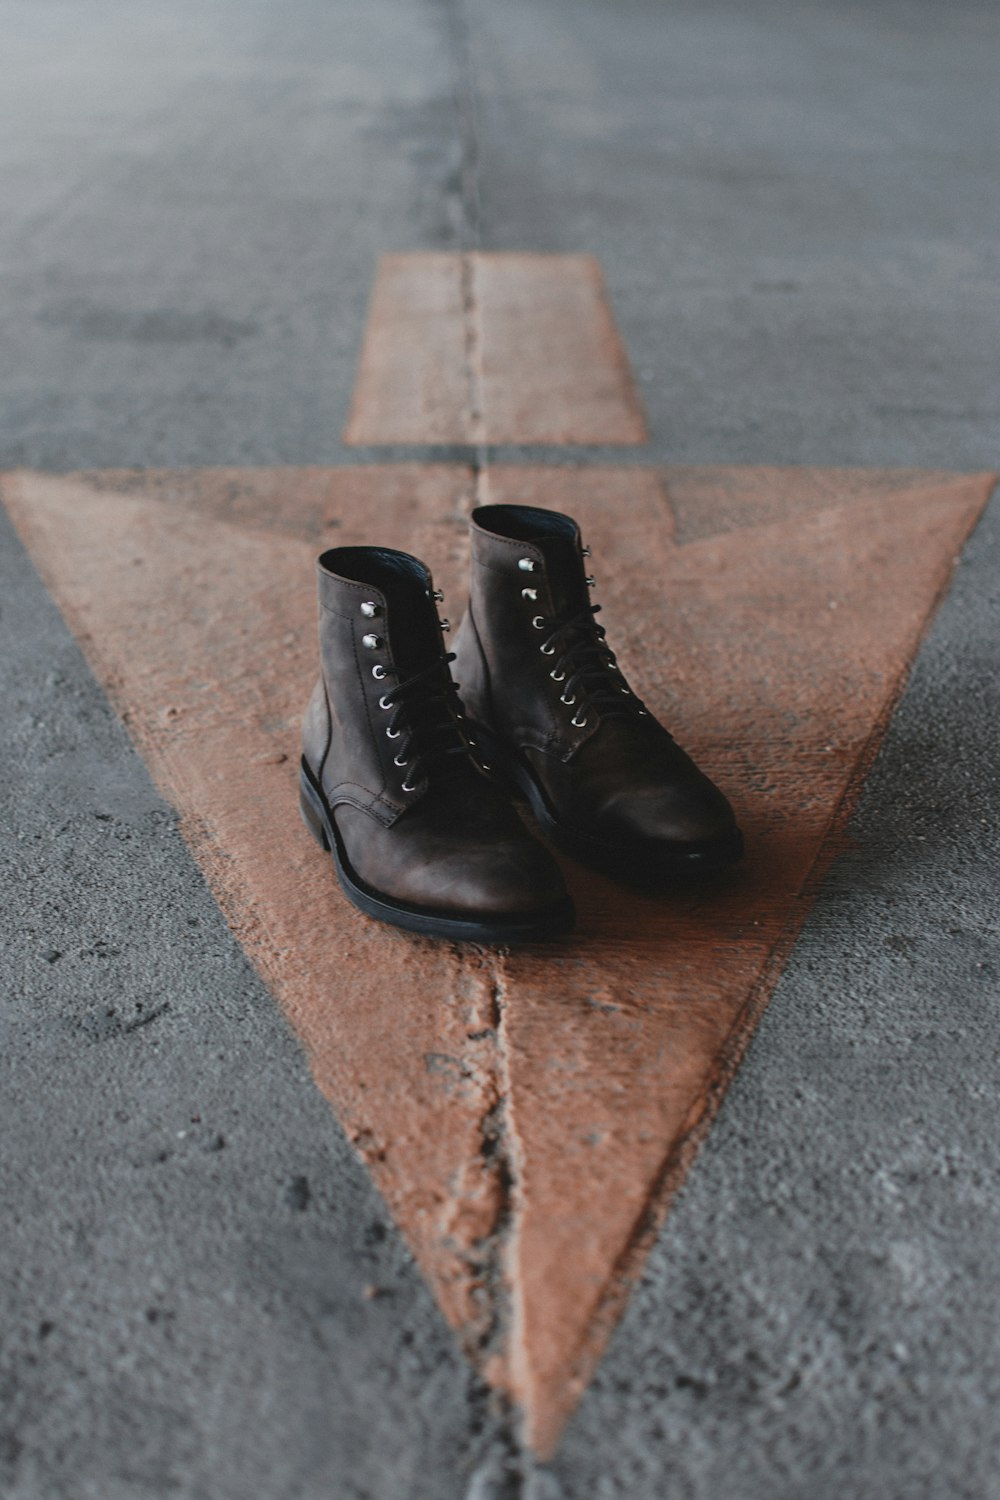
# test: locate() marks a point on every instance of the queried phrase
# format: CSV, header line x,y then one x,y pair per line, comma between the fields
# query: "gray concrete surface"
x,y
821,1317
796,209
190,1247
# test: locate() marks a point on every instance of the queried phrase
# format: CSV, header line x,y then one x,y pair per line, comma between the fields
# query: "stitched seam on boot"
x,y
374,806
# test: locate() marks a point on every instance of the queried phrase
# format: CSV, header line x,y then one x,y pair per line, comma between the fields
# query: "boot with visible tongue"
x,y
389,782
551,709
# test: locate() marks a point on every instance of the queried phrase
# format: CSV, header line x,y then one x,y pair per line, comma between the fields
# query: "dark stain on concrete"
x,y
157,325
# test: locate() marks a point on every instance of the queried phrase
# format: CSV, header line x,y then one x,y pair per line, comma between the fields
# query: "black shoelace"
x,y
427,722
586,667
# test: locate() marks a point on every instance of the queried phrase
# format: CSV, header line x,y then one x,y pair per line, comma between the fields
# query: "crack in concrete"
x,y
465,91
490,1256
471,233
473,358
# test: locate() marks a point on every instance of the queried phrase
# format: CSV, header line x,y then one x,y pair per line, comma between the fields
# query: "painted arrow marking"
x,y
492,348
526,1116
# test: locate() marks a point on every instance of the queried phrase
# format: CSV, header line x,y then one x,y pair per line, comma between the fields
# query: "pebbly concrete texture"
x,y
794,206
795,213
526,1115
201,1293
820,1317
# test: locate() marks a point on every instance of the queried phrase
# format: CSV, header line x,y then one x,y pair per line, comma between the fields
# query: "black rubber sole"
x,y
635,865
517,927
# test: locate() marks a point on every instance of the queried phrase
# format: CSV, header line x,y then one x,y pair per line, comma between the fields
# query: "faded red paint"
x,y
499,348
767,615
774,652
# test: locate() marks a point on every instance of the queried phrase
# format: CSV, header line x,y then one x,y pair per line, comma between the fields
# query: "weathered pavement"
x,y
794,211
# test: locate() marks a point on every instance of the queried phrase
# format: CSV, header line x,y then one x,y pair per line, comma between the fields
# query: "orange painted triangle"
x,y
526,1116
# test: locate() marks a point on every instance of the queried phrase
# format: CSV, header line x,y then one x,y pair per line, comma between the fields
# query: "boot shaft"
x,y
528,570
556,716
378,627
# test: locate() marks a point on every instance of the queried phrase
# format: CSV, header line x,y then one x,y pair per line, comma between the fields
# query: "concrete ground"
x,y
795,208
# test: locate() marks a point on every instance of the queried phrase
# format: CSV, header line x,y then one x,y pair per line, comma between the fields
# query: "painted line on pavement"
x,y
526,1116
492,348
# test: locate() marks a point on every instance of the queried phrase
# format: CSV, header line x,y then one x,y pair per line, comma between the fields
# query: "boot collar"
x,y
393,596
542,548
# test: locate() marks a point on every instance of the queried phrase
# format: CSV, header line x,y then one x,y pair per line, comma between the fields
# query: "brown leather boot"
x,y
552,711
420,836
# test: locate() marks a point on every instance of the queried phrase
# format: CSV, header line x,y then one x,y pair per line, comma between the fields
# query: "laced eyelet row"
x,y
370,609
395,734
407,762
538,622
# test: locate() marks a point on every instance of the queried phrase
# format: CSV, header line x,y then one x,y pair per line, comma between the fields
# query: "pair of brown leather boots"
x,y
410,789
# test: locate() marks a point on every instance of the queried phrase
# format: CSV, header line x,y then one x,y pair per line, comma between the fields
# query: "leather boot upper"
x,y
384,741
536,671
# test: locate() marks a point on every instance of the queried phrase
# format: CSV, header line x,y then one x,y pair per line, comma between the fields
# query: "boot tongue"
x,y
565,572
415,633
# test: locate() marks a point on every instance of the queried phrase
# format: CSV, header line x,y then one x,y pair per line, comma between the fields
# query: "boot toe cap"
x,y
674,817
510,879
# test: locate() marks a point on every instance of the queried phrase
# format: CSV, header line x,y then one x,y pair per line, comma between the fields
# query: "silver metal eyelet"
x,y
625,690
558,676
584,551
445,624
644,712
401,761
369,609
437,596
384,704
590,580
406,787
393,734
529,594
547,650
526,564
579,723
371,641
378,672
538,622
568,701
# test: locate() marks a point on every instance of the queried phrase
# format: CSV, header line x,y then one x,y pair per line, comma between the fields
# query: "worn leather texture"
x,y
618,776
453,842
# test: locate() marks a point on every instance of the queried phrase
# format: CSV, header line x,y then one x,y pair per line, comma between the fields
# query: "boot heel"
x,y
311,811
